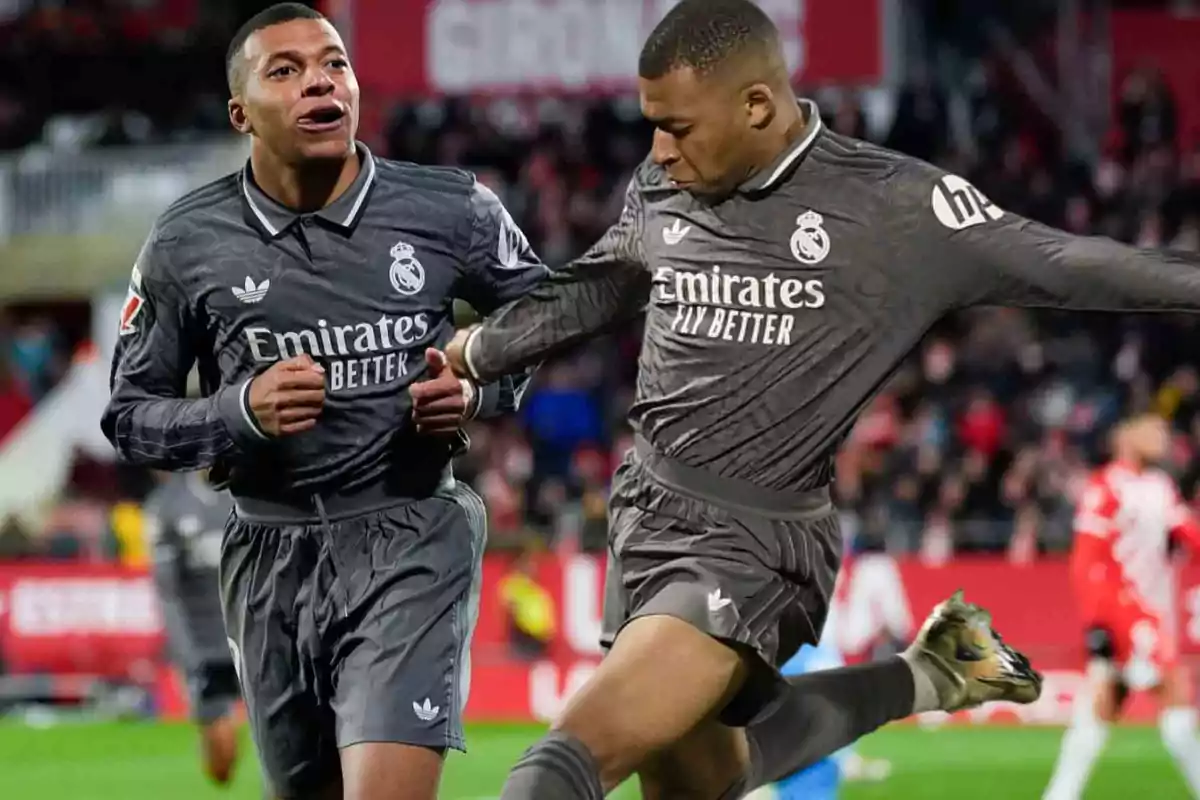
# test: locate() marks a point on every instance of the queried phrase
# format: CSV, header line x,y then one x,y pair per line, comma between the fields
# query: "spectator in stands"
x,y
36,355
1148,116
14,541
15,402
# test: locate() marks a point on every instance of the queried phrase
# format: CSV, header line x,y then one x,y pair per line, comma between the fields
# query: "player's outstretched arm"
x,y
606,286
148,418
994,257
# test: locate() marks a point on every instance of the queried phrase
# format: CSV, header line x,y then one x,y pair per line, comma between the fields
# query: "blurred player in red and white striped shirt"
x,y
1128,515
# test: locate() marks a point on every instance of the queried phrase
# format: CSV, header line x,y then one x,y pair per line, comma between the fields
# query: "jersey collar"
x,y
274,217
775,172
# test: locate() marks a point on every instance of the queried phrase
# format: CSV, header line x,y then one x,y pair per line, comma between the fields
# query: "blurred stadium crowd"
x,y
979,443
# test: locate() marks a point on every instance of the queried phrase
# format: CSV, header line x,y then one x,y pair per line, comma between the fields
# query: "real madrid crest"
x,y
407,274
810,242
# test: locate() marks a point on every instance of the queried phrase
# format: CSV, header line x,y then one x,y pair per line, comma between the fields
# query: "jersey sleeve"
x,y
608,285
149,419
500,267
989,256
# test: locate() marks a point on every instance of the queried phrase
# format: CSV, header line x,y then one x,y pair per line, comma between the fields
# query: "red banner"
x,y
71,619
416,47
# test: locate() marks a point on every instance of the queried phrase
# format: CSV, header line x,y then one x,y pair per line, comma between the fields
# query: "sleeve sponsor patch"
x,y
132,307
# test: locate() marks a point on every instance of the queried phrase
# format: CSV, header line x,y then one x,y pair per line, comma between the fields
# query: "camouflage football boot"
x,y
967,661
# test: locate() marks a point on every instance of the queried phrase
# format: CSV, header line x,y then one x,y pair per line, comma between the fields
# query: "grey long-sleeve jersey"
x,y
232,282
773,317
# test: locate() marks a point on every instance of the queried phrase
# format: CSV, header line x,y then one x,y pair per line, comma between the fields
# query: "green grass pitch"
x,y
134,761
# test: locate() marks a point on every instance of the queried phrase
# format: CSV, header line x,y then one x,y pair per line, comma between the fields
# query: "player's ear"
x,y
238,118
759,102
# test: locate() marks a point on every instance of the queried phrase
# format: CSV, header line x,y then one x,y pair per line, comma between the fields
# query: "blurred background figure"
x,y
1128,518
528,606
183,524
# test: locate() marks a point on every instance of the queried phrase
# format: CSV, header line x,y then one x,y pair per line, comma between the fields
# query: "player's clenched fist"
x,y
442,402
288,397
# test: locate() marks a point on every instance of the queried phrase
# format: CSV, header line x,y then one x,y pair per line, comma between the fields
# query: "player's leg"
x,y
707,590
709,760
219,749
957,661
1096,708
688,651
216,695
1177,721
212,684
411,578
821,780
275,601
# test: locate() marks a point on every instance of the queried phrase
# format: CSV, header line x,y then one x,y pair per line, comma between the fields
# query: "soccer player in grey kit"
x,y
185,521
784,271
312,290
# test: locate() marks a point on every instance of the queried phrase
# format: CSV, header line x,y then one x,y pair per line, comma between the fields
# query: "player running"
x,y
1122,573
785,271
311,290
184,521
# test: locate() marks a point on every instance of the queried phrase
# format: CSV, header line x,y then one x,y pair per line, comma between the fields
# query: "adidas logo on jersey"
x,y
250,293
675,233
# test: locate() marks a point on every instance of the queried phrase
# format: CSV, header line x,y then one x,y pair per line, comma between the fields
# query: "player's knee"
x,y
391,771
710,759
660,680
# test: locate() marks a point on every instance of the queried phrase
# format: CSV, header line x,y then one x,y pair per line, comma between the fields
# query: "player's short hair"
x,y
706,34
275,15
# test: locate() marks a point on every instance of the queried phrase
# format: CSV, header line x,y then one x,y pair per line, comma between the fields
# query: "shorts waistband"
x,y
325,506
732,492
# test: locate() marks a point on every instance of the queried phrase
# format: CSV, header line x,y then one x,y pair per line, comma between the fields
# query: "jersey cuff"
x,y
474,396
468,353
489,401
233,404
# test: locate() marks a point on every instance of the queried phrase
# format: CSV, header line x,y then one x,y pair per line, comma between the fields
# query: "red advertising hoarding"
x,y
78,619
422,47
877,595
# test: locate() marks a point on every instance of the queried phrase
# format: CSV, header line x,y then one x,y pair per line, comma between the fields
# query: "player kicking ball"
x,y
1129,513
784,272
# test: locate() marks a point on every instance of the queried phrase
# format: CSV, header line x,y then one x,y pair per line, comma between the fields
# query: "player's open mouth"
x,y
321,120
